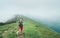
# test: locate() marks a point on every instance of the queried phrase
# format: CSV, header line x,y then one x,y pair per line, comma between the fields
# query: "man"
x,y
20,25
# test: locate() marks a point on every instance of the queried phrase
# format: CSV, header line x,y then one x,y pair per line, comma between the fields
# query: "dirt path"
x,y
21,36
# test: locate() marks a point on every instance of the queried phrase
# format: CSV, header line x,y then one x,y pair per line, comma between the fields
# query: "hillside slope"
x,y
32,29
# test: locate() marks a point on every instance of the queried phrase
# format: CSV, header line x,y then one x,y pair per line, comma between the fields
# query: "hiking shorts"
x,y
21,28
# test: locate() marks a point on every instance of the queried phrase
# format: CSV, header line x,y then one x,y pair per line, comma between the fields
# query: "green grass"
x,y
32,29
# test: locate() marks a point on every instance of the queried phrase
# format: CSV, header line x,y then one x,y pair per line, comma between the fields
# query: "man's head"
x,y
21,20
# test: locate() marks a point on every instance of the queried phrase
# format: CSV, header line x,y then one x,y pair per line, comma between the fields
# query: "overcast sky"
x,y
42,9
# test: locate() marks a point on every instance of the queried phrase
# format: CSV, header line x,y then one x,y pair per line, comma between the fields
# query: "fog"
x,y
46,10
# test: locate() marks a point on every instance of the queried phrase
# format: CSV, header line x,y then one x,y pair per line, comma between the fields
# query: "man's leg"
x,y
21,29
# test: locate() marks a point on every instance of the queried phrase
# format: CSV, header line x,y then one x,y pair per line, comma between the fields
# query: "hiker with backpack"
x,y
20,26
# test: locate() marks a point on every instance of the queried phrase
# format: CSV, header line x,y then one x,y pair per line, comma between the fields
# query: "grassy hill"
x,y
32,29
